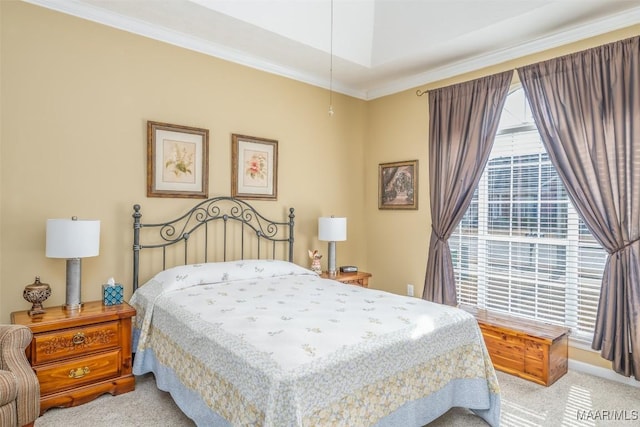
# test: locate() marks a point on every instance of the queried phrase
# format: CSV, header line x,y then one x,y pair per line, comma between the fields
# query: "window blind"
x,y
521,247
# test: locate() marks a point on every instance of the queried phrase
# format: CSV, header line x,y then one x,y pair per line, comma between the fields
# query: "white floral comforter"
x,y
270,343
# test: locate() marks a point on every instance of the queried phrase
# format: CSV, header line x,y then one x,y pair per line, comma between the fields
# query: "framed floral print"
x,y
177,161
254,168
398,185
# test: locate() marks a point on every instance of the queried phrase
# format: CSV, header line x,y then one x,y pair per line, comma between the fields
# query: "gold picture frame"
x,y
398,185
254,168
177,161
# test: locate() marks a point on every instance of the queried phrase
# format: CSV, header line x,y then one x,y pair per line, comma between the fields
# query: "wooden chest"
x,y
80,355
531,350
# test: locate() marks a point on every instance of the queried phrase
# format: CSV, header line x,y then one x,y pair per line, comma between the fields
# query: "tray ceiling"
x,y
379,47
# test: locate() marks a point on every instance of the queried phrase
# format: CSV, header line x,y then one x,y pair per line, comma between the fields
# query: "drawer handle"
x,y
78,338
79,373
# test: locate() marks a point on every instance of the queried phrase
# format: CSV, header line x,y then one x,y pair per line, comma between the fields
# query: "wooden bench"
x,y
532,350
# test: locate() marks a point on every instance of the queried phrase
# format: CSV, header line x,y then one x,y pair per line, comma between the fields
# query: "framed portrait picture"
x,y
398,185
254,168
177,161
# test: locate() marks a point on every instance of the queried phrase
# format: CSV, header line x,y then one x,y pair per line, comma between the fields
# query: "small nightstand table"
x,y
361,278
79,355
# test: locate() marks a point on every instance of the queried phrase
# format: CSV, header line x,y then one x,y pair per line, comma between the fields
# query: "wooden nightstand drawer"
x,y
77,372
360,278
74,342
80,354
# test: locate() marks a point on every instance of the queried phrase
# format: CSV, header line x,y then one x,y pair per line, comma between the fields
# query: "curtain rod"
x,y
420,92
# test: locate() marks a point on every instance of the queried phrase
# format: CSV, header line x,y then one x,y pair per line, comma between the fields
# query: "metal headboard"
x,y
226,209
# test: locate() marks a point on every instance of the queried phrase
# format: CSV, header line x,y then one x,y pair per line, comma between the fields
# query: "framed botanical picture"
x,y
177,161
398,185
254,168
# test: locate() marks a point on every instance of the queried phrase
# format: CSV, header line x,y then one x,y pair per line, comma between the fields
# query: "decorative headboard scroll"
x,y
228,211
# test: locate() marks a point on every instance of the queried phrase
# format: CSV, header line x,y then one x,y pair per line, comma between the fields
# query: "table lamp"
x,y
332,230
73,239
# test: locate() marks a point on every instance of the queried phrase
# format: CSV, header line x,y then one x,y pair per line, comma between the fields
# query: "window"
x,y
521,247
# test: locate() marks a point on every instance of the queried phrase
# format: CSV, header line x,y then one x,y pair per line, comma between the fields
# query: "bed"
x,y
256,340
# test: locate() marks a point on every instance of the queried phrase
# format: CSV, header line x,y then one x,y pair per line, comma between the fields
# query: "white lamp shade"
x,y
331,229
71,238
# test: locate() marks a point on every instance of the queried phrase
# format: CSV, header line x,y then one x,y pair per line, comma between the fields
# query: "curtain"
x,y
587,109
462,125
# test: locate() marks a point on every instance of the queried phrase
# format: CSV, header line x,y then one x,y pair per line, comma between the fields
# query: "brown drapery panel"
x,y
587,109
463,123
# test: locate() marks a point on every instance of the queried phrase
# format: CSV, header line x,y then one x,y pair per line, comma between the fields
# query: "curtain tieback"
x,y
622,248
440,238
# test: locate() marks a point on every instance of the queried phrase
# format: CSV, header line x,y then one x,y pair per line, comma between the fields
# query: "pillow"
x,y
184,276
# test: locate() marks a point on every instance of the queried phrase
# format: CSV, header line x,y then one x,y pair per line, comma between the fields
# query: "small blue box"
x,y
112,294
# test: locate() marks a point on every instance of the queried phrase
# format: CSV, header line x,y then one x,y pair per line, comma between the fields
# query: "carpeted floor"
x,y
576,400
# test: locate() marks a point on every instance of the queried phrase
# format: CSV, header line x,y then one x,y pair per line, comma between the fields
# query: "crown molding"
x,y
593,28
89,12
98,15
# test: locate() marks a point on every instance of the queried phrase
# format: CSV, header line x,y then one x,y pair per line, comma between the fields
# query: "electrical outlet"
x,y
410,290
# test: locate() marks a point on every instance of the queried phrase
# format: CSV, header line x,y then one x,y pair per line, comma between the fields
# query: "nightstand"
x,y
79,355
361,278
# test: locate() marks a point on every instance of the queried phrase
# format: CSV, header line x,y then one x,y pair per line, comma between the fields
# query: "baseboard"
x,y
601,372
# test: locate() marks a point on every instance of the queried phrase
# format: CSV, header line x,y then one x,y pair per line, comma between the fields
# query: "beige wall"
x,y
75,100
397,129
